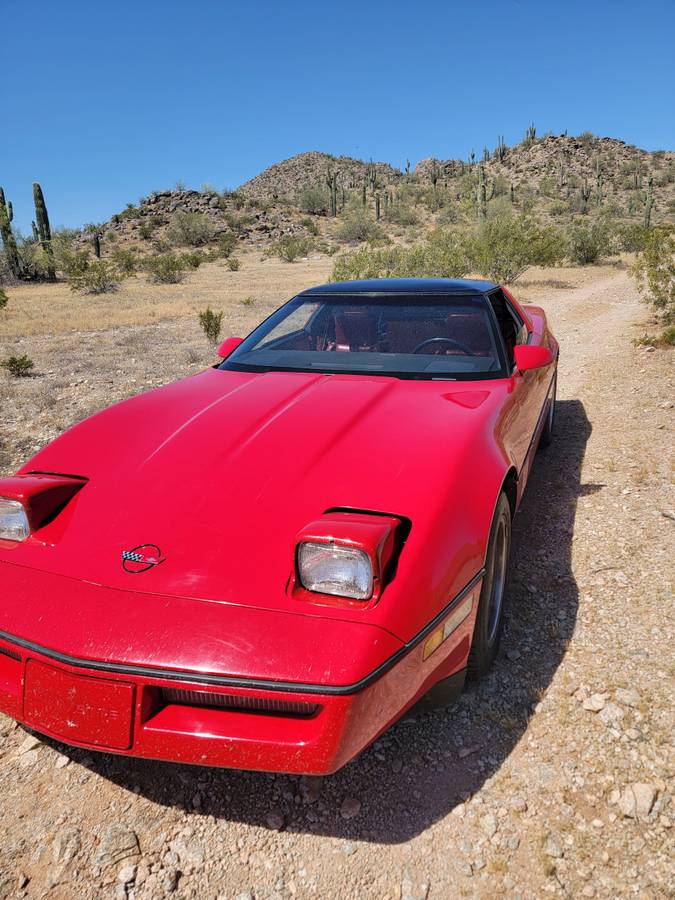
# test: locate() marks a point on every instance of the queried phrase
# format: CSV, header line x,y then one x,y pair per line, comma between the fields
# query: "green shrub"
x,y
190,229
358,226
632,237
589,242
248,301
665,339
210,324
149,226
226,243
3,299
654,272
502,249
191,260
401,214
165,268
443,255
125,260
100,277
18,366
72,262
310,225
313,199
291,246
233,263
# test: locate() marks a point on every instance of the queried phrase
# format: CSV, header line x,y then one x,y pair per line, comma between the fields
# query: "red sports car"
x,y
263,566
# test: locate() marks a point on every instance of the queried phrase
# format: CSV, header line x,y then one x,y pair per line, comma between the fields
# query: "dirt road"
x,y
550,777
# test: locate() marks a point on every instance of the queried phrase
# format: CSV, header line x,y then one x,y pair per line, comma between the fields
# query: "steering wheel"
x,y
443,340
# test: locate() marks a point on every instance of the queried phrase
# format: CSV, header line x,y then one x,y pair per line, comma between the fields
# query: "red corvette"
x,y
265,565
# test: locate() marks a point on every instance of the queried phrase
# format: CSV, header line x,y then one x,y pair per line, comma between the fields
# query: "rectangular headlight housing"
x,y
329,568
14,525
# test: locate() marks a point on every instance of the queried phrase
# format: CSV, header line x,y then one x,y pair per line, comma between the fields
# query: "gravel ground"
x,y
552,776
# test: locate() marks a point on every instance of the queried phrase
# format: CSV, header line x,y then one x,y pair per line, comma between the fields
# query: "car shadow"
x,y
419,770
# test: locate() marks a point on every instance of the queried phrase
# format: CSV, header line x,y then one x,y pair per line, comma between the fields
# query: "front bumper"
x,y
302,733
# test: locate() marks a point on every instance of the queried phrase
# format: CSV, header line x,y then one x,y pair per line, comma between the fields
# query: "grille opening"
x,y
260,705
5,651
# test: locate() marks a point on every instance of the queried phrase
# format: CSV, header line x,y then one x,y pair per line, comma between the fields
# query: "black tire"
x,y
547,431
490,617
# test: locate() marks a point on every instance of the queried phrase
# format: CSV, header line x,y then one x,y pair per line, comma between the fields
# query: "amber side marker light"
x,y
446,628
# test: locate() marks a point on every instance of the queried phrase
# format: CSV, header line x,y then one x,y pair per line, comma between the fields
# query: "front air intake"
x,y
240,702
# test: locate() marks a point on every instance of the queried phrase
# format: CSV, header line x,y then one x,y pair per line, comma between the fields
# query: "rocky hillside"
x,y
287,178
554,176
552,167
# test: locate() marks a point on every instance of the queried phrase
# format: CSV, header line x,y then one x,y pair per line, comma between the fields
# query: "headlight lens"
x,y
333,569
13,521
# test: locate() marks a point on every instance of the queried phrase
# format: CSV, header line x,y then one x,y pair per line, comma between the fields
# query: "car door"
x,y
527,390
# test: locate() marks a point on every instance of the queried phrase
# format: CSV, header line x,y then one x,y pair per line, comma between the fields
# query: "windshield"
x,y
409,336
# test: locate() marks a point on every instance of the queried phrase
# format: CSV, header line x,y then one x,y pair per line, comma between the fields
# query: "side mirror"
x,y
529,356
228,346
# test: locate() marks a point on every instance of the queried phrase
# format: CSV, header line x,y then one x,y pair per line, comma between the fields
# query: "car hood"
x,y
220,471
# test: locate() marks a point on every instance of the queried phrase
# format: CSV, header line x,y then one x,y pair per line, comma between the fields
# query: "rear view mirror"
x,y
228,346
529,357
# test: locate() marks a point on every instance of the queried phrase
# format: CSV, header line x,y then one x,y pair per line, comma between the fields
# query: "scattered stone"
x,y
61,761
118,843
66,845
552,847
611,715
595,702
275,820
170,880
627,696
636,800
488,823
127,874
350,808
310,788
467,751
348,848
518,803
29,743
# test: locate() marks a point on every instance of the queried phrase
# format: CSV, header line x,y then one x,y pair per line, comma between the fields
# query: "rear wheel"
x,y
547,430
490,617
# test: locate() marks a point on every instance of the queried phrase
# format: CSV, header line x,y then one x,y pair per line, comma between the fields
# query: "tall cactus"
x,y
8,241
44,231
585,192
434,173
377,206
483,197
649,202
331,181
500,150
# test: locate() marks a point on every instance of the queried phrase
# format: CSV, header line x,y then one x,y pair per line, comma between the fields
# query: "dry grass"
x,y
41,308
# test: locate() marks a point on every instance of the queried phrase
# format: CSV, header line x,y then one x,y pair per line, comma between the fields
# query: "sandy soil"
x,y
552,776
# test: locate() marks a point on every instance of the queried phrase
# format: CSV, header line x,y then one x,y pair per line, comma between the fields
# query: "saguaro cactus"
x,y
8,241
483,195
44,231
331,181
649,202
434,173
96,244
500,150
585,192
377,206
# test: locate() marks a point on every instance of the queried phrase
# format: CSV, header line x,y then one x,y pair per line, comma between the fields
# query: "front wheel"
x,y
490,617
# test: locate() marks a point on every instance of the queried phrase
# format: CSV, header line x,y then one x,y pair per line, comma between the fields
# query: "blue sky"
x,y
104,102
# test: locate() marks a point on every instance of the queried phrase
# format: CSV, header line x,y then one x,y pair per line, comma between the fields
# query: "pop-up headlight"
x,y
345,554
14,525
